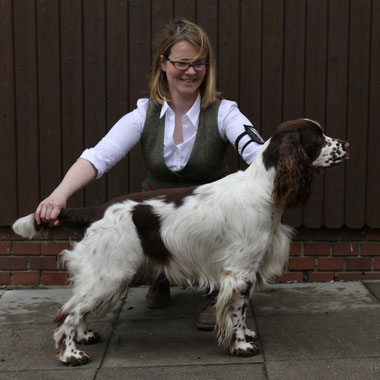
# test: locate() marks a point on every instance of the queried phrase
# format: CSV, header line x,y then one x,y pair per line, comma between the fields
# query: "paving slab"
x,y
37,305
314,298
306,331
57,374
185,303
212,372
165,342
150,337
347,369
320,336
31,347
374,287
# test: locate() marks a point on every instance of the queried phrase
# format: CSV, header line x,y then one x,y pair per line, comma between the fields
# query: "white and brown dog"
x,y
226,235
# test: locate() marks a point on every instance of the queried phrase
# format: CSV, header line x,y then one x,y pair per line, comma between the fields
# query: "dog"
x,y
226,235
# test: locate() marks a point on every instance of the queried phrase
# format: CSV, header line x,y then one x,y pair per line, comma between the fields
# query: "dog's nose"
x,y
346,145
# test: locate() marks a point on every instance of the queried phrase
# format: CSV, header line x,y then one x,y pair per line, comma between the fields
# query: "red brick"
x,y
301,263
290,277
43,262
5,248
350,276
330,263
345,249
13,263
53,248
372,275
26,278
377,263
5,278
6,233
321,277
371,249
352,234
65,234
26,248
317,249
359,263
55,278
295,249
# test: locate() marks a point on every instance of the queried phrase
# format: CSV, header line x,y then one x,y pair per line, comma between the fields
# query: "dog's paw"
x,y
89,337
250,335
75,358
245,349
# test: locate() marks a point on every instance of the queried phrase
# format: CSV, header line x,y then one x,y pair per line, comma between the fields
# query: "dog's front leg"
x,y
231,308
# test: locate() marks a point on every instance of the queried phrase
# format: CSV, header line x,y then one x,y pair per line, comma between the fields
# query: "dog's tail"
x,y
27,227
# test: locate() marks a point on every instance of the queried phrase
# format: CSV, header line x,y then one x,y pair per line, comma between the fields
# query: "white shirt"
x,y
126,133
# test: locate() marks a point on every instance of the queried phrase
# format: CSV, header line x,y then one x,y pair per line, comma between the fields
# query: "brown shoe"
x,y
207,317
158,295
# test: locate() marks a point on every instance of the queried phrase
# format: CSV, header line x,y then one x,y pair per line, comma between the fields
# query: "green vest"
x,y
206,163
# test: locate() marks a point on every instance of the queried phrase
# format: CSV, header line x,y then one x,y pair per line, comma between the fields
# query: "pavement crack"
x,y
123,298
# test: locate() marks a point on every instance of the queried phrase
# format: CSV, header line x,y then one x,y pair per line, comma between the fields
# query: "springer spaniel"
x,y
226,235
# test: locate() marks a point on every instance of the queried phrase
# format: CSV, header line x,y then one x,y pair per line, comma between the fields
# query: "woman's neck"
x,y
180,105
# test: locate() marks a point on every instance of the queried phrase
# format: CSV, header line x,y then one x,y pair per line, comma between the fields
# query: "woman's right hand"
x,y
49,209
78,176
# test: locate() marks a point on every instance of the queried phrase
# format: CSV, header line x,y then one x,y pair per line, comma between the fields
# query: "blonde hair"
x,y
182,30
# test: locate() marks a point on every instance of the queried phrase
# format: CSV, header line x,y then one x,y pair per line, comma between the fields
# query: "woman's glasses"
x,y
183,66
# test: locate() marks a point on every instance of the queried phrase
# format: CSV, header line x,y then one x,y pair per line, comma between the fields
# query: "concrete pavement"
x,y
306,331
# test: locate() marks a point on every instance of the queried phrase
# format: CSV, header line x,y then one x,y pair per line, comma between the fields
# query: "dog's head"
x,y
298,150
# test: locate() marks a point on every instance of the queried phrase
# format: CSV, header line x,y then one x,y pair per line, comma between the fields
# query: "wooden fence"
x,y
70,69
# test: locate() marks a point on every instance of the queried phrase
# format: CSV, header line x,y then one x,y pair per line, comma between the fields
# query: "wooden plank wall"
x,y
70,69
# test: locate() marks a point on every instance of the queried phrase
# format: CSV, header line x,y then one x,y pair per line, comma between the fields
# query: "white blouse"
x,y
126,133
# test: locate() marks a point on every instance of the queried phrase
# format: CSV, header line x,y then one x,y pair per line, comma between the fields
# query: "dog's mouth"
x,y
341,153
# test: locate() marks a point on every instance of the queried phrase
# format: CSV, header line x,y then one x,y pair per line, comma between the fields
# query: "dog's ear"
x,y
294,172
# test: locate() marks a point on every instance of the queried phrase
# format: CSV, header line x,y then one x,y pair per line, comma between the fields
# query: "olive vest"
x,y
206,163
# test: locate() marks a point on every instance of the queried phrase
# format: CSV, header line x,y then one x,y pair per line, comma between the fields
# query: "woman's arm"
x,y
231,123
78,176
94,162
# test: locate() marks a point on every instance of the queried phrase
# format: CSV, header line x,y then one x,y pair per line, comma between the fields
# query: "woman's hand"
x,y
50,208
78,176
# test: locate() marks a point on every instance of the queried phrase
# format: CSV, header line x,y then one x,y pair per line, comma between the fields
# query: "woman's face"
x,y
182,84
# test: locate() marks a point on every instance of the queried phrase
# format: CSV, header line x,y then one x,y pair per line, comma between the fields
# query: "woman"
x,y
184,129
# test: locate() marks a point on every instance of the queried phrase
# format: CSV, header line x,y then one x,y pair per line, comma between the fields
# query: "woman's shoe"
x,y
158,295
207,317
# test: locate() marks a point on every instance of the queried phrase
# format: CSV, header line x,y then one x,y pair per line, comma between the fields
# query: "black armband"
x,y
252,133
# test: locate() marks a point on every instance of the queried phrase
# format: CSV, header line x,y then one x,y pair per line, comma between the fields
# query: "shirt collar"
x,y
192,113
164,108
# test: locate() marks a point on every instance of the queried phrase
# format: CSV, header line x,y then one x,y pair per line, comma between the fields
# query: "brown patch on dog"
x,y
148,228
84,217
250,339
61,345
73,362
248,352
59,319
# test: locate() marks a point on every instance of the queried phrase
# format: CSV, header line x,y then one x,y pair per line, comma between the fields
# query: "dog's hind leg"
x,y
84,335
70,321
231,308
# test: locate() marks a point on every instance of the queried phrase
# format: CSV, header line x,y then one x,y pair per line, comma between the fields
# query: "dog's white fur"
x,y
226,235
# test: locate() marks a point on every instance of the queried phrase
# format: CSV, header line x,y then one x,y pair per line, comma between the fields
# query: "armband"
x,y
252,133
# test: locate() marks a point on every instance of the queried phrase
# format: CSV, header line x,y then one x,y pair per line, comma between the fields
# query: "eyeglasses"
x,y
184,66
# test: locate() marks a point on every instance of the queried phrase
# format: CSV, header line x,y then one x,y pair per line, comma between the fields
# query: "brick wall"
x,y
334,255
316,255
34,262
